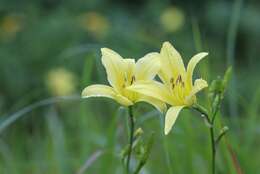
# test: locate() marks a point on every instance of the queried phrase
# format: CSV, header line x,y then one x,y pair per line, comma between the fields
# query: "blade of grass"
x,y
56,132
7,157
231,42
166,148
81,49
10,119
88,67
234,159
90,161
196,34
109,162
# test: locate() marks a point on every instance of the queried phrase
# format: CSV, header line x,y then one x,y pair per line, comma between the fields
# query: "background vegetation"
x,y
51,49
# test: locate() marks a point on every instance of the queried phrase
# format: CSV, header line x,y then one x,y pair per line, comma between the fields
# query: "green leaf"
x,y
223,131
216,85
227,77
146,153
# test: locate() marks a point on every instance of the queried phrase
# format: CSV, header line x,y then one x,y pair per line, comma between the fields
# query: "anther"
x,y
178,80
132,80
173,85
125,78
172,80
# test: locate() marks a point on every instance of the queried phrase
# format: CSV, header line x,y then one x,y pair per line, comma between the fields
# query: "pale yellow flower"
x,y
177,88
61,82
122,73
10,25
95,23
172,19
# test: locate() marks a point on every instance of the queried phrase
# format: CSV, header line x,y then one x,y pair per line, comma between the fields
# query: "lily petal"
x,y
148,66
159,105
199,84
191,65
171,63
123,100
152,89
113,64
171,117
105,91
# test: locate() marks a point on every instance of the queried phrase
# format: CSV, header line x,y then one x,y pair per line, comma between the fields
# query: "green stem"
x,y
204,111
131,137
216,107
213,148
224,130
139,167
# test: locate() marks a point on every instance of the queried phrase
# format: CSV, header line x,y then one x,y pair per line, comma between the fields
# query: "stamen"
x,y
125,78
172,82
178,80
132,80
173,85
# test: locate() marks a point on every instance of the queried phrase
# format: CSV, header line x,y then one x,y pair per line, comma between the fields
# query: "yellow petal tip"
x,y
166,44
104,50
83,93
204,54
166,132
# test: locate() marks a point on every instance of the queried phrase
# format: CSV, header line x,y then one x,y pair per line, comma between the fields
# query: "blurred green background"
x,y
51,48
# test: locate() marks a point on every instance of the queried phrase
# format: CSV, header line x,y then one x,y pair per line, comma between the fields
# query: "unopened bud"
x,y
138,132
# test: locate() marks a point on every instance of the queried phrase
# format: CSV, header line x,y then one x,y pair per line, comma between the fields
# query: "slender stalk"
x,y
216,107
204,111
131,137
139,167
213,148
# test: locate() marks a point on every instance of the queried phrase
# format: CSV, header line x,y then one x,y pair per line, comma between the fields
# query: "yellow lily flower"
x,y
177,88
122,73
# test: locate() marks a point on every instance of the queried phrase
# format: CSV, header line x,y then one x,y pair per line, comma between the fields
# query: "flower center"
x,y
128,81
177,87
178,82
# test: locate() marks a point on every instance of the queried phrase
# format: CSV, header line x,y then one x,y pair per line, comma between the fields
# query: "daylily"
x,y
177,88
121,73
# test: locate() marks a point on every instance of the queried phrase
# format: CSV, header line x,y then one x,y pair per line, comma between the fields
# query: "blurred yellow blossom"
x,y
10,25
95,23
172,19
61,82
